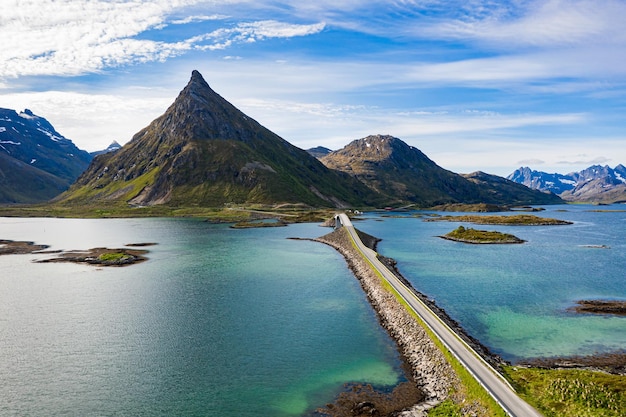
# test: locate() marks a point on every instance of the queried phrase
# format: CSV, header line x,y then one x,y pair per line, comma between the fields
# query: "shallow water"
x,y
514,298
218,322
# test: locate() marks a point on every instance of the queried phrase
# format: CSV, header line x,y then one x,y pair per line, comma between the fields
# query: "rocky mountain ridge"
x,y
595,184
203,151
36,162
403,174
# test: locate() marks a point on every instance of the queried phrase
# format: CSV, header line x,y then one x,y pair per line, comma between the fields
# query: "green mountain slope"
x,y
203,151
22,183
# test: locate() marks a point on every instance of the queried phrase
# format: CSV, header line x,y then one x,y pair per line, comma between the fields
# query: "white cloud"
x,y
563,71
586,160
535,23
304,123
93,121
73,37
531,162
202,18
254,31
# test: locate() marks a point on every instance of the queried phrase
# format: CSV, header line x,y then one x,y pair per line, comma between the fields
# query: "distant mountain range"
x,y
319,151
36,162
205,152
114,146
596,184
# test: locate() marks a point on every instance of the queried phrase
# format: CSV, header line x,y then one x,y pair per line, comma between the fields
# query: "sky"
x,y
474,84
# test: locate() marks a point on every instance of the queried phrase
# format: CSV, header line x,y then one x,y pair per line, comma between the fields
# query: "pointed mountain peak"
x,y
199,113
203,151
197,88
197,81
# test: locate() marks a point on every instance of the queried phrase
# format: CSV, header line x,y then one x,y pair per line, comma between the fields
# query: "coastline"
x,y
408,341
429,370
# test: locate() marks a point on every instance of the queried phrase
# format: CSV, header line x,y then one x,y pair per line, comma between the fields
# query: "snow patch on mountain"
x,y
594,184
50,135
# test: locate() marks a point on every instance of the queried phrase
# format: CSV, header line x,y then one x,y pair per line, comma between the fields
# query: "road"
x,y
491,380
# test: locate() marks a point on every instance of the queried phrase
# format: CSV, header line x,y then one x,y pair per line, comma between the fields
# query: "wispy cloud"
x,y
532,23
71,37
253,32
586,160
74,37
531,162
538,76
198,18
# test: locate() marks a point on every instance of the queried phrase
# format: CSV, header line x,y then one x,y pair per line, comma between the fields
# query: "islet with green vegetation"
x,y
469,235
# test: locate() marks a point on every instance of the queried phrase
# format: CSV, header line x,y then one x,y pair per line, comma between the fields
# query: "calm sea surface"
x,y
219,322
514,298
225,322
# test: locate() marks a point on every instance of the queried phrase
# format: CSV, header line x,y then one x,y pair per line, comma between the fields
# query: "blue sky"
x,y
475,84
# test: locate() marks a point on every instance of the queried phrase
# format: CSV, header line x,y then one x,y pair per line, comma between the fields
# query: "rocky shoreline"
x,y
94,256
428,369
101,257
611,307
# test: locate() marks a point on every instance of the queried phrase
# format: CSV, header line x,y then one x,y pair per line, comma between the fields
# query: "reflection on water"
x,y
246,322
217,322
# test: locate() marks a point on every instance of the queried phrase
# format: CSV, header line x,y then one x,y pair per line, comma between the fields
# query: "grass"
x,y
571,393
446,409
225,214
462,234
473,391
113,257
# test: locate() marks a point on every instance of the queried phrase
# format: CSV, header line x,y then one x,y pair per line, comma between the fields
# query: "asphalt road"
x,y
492,381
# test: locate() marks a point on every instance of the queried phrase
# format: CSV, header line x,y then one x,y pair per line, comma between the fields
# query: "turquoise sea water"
x,y
219,322
514,298
225,322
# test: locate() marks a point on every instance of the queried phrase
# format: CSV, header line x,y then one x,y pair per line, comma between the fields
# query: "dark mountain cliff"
x,y
203,151
402,172
36,162
494,188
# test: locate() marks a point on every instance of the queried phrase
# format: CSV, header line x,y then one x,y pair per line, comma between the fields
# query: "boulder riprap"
x,y
430,370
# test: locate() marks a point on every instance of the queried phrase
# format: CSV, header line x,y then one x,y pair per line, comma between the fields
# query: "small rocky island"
x,y
514,220
612,307
480,237
102,256
95,256
12,247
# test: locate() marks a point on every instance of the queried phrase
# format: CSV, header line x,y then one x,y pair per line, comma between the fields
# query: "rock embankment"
x,y
430,370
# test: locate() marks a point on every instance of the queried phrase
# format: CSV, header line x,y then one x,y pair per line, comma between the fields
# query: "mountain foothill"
x,y
204,152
